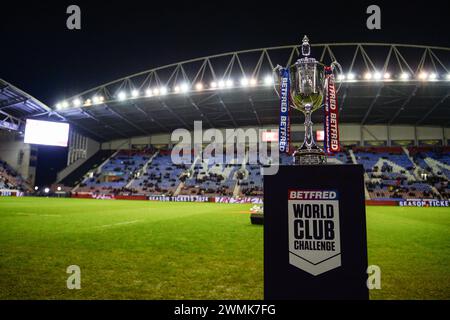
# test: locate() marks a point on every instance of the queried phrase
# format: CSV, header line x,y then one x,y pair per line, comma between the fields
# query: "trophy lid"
x,y
306,49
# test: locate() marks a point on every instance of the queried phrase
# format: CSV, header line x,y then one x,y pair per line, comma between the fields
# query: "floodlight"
x,y
377,76
135,93
76,102
148,92
423,75
229,83
213,85
253,82
368,76
268,80
184,87
351,76
163,90
244,82
122,95
404,76
199,86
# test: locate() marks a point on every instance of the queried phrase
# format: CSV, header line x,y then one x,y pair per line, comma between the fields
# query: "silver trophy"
x,y
307,90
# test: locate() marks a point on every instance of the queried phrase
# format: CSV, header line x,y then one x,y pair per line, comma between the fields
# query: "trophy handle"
x,y
337,69
276,71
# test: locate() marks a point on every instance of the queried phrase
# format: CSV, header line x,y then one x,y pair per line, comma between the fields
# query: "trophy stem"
x,y
309,139
309,153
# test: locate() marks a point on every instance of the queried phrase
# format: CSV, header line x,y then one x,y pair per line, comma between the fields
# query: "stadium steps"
x,y
395,168
437,166
96,169
76,176
143,170
416,168
178,189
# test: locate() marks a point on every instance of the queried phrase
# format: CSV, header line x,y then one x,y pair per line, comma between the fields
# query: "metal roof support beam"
x,y
12,102
228,112
103,123
402,107
196,107
432,109
372,104
174,114
96,134
116,113
148,115
252,104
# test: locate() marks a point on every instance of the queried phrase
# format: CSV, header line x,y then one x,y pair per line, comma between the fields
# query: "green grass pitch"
x,y
162,250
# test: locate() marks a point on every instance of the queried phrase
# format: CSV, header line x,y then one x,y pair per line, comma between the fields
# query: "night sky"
x,y
41,56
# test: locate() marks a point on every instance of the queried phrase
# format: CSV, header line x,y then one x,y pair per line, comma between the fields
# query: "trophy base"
x,y
311,156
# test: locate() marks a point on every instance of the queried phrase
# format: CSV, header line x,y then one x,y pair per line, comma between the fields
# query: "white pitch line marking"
x,y
37,214
118,224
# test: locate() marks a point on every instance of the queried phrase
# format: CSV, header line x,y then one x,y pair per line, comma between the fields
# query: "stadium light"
x,y
59,188
377,76
36,188
176,89
351,76
88,102
253,82
46,190
122,95
229,83
423,75
76,102
244,82
135,93
148,92
97,99
341,77
387,76
184,87
156,91
368,76
268,80
199,86
404,76
221,84
64,104
58,106
432,76
213,85
163,91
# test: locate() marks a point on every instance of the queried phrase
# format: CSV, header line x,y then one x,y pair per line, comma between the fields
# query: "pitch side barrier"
x,y
10,193
239,200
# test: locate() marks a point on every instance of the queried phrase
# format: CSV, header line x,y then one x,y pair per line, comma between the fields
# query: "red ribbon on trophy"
x,y
331,120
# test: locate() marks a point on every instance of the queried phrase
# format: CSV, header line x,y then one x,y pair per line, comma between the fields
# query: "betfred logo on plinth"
x,y
314,235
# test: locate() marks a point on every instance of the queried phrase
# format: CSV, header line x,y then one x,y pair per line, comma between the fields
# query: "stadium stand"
x,y
10,179
390,173
114,175
76,177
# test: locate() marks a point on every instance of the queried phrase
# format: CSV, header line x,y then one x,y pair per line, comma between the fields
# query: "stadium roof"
x,y
380,84
16,105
